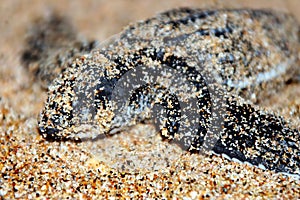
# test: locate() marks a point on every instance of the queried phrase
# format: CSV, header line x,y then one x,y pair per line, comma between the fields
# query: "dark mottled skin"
x,y
249,55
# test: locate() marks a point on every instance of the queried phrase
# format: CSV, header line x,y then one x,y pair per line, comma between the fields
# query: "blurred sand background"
x,y
94,19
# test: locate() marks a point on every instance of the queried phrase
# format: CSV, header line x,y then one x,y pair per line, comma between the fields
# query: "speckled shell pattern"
x,y
245,55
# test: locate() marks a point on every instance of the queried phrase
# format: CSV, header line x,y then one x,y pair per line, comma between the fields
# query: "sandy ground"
x,y
31,167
